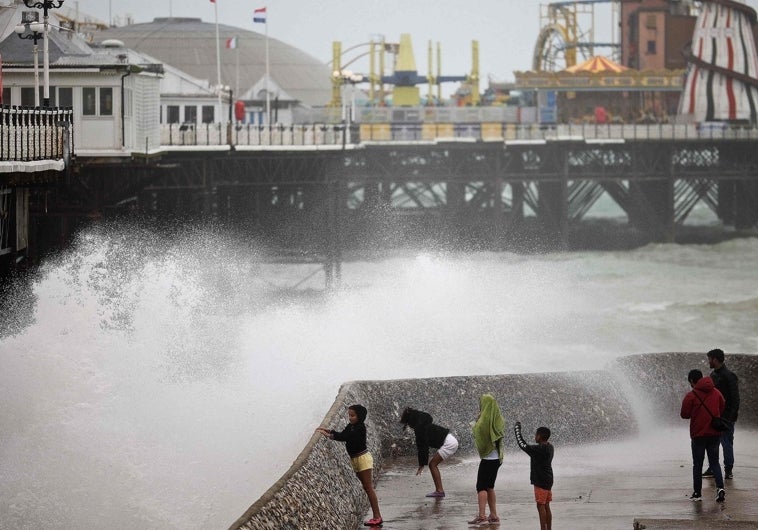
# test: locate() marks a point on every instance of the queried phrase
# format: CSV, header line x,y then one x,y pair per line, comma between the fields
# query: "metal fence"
x,y
35,133
356,133
209,134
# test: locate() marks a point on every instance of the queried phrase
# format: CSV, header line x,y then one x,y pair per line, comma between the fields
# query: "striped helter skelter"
x,y
722,79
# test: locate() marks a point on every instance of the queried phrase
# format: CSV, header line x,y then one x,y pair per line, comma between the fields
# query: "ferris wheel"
x,y
561,43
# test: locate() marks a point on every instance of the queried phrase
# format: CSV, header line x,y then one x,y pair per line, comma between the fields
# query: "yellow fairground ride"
x,y
404,79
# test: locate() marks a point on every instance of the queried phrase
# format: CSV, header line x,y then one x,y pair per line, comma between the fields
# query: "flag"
x,y
231,43
259,15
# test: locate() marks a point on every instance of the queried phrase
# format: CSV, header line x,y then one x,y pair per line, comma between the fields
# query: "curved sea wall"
x,y
320,489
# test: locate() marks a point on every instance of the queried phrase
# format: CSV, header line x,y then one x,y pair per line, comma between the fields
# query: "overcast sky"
x,y
506,29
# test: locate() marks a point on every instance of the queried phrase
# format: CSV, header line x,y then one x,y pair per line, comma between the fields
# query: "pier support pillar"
x,y
652,208
726,201
746,214
553,210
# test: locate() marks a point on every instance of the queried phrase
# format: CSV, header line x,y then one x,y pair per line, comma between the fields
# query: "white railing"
x,y
30,134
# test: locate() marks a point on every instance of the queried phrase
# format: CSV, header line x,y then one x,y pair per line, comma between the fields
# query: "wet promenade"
x,y
605,487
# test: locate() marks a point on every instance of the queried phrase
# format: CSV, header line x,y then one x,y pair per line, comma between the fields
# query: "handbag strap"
x,y
703,402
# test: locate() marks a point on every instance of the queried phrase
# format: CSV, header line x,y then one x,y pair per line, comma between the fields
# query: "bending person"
x,y
429,434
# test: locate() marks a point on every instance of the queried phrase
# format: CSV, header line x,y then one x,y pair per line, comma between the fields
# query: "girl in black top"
x,y
354,436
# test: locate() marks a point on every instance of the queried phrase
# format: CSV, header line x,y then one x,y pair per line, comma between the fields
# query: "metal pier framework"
x,y
532,193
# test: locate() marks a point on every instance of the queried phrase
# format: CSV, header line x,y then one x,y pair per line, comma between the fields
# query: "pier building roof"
x,y
189,44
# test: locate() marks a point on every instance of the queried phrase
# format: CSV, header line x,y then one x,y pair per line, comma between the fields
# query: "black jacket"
x,y
727,383
428,434
354,436
541,464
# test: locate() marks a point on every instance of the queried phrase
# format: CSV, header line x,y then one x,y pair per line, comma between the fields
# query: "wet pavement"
x,y
607,486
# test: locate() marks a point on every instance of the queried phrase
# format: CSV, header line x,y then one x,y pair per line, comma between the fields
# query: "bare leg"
x,y
368,486
491,501
481,497
543,516
548,517
435,471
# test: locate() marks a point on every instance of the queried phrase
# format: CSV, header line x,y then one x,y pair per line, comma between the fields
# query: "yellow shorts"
x,y
363,462
542,496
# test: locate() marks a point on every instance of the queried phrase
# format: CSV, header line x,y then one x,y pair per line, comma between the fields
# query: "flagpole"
x,y
237,79
218,62
268,95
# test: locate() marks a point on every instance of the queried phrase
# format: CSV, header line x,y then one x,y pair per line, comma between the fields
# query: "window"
x,y
97,101
27,96
190,114
66,97
208,114
6,96
106,101
651,47
651,21
172,113
88,101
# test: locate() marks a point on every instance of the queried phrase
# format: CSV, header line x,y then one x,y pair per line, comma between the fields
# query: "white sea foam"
x,y
170,387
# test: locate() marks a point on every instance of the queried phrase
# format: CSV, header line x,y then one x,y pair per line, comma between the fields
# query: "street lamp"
x,y
45,5
348,77
36,30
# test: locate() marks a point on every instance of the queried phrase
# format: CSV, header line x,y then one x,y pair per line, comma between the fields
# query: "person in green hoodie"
x,y
489,430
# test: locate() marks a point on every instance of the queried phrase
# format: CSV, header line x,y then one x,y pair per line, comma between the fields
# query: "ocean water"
x,y
146,386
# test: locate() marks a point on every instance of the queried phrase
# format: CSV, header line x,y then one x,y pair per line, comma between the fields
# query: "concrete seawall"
x,y
320,490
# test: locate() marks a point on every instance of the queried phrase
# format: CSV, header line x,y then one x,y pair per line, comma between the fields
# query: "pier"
x,y
324,190
478,188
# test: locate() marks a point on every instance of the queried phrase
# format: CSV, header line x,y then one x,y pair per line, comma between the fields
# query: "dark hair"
x,y
360,411
717,354
407,417
694,376
544,432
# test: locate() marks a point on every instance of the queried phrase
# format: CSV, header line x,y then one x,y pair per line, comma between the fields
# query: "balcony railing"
x,y
35,133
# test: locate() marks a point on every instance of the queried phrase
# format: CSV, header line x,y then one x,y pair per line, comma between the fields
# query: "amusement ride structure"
x,y
722,81
567,35
404,78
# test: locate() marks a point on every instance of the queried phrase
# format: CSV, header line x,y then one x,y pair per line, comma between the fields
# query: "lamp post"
x,y
36,33
45,5
348,77
230,92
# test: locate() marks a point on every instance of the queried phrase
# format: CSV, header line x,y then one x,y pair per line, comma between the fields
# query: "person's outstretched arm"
x,y
528,449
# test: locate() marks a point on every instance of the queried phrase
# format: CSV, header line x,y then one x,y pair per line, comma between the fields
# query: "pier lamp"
x,y
45,5
35,34
348,77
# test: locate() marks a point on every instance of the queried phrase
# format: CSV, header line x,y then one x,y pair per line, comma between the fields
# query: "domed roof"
x,y
189,44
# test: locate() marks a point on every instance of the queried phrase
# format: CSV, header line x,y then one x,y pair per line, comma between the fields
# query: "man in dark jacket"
x,y
699,405
727,383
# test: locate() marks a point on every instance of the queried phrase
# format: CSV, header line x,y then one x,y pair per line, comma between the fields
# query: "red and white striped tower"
x,y
722,79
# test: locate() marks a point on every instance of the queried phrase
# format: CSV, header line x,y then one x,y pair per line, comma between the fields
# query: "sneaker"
x,y
436,494
728,473
479,521
374,522
708,473
696,497
720,495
